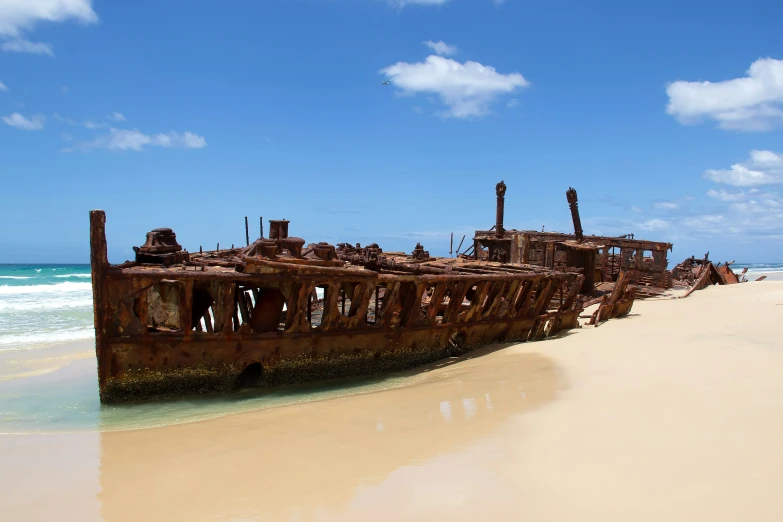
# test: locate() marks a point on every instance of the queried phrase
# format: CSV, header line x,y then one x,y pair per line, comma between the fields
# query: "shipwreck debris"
x,y
175,323
696,274
600,259
617,304
161,248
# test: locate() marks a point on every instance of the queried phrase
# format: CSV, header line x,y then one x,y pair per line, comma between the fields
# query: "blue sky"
x,y
193,114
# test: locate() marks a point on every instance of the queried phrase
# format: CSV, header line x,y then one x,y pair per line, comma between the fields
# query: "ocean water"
x,y
758,269
44,304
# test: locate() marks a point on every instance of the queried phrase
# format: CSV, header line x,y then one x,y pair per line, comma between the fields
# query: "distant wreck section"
x,y
639,267
697,274
173,323
600,259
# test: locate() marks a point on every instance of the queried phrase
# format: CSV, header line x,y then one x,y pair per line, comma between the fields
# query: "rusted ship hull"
x,y
220,320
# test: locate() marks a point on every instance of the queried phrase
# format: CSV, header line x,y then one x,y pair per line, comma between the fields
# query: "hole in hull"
x,y
250,376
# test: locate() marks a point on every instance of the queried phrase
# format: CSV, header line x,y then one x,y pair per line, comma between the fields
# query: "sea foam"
x,y
38,304
25,340
57,288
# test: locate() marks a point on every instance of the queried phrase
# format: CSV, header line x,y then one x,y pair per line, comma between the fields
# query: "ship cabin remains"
x,y
600,259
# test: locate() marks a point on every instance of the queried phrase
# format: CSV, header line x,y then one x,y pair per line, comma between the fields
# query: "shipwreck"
x,y
174,323
601,259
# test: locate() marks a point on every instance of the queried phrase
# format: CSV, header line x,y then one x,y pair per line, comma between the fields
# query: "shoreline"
x,y
645,418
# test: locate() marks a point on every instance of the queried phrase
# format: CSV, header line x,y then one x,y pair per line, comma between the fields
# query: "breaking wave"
x,y
40,306
22,305
64,287
24,340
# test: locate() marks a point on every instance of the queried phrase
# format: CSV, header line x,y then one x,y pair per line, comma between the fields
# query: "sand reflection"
x,y
306,462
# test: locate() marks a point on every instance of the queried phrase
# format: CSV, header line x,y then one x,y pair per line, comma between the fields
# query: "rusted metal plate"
x,y
616,304
707,275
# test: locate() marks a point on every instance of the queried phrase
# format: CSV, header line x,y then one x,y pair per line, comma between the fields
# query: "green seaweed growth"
x,y
308,369
145,383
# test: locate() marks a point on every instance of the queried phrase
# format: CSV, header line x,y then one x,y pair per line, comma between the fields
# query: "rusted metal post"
x,y
99,264
500,190
261,224
218,247
460,243
451,245
247,233
573,204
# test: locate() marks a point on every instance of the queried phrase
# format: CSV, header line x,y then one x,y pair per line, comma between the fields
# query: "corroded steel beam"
x,y
573,204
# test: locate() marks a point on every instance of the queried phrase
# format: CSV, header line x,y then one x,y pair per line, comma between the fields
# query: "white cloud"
x,y
752,102
20,45
763,168
35,122
115,116
87,124
654,225
3,88
18,17
63,119
441,47
666,205
745,215
133,139
725,196
513,102
705,221
467,89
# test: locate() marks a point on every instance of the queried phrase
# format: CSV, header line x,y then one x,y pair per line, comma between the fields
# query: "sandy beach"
x,y
673,413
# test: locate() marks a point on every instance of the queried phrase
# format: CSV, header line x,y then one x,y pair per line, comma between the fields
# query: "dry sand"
x,y
674,413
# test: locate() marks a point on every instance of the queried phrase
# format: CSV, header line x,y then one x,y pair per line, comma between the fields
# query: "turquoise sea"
x,y
41,304
772,270
48,378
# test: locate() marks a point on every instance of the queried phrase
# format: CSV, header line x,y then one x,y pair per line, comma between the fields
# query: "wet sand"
x,y
48,359
674,413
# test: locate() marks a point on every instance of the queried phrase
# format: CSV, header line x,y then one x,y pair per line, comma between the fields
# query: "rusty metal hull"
x,y
616,304
224,320
177,365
